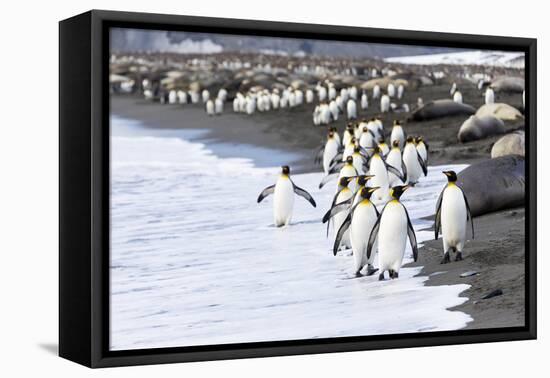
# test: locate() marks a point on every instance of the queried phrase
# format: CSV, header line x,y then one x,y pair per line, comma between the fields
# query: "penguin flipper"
x,y
469,213
404,170
319,154
336,158
338,208
302,193
340,234
412,236
437,223
326,179
336,167
374,234
395,171
267,191
422,164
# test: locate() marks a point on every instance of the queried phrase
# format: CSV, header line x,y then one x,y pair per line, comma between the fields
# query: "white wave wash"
x,y
195,260
478,57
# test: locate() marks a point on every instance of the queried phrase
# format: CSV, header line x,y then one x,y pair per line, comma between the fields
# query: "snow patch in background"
x,y
484,58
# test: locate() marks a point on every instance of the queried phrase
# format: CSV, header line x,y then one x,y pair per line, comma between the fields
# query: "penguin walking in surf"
x,y
422,148
391,230
395,160
416,166
343,169
283,197
328,151
452,213
360,222
342,200
397,134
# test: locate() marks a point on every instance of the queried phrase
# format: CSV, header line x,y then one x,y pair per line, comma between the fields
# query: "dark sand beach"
x,y
498,251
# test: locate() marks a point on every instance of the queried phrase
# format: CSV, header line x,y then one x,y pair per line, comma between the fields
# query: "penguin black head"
x,y
366,192
419,139
349,159
362,180
377,150
285,169
395,143
397,122
357,149
349,127
410,139
397,191
451,176
353,140
333,129
344,181
365,129
331,134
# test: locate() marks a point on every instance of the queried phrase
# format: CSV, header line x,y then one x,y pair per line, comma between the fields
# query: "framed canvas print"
x,y
233,188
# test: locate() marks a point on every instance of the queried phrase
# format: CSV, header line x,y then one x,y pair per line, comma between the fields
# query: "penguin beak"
x,y
446,173
406,187
374,189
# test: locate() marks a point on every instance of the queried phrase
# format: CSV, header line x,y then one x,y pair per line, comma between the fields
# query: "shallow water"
x,y
195,260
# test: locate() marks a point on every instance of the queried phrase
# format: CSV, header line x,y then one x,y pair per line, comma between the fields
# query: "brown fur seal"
x,y
475,128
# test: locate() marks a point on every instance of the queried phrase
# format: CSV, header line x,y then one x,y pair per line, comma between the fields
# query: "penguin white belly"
x,y
397,134
362,223
380,179
421,148
283,201
331,150
358,164
392,237
341,217
394,159
453,218
410,158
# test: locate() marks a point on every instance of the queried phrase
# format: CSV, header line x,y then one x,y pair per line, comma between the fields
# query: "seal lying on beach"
x,y
509,144
494,184
441,108
475,128
508,84
502,111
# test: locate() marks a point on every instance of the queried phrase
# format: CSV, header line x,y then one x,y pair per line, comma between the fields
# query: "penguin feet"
x,y
458,256
446,258
371,270
393,274
358,274
381,277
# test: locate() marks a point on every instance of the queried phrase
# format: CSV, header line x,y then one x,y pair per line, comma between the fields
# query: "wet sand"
x,y
497,255
498,251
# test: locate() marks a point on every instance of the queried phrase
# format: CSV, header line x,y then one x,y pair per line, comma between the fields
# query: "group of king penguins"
x,y
371,175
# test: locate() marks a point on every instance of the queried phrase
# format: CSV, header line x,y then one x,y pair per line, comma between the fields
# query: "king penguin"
x,y
360,222
397,134
452,213
391,231
414,162
283,197
395,160
341,203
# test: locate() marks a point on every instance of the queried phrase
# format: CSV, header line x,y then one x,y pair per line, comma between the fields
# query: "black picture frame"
x,y
84,188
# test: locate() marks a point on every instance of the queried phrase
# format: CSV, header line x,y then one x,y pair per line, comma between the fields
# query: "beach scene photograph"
x,y
272,189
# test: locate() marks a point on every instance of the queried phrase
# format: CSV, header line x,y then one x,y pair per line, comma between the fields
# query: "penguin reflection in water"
x,y
283,197
391,231
451,217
